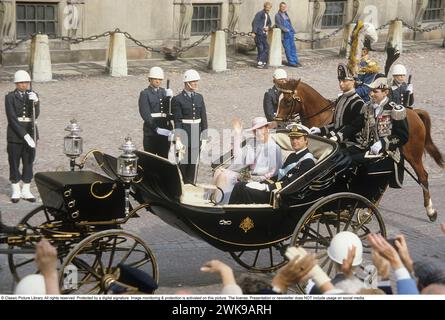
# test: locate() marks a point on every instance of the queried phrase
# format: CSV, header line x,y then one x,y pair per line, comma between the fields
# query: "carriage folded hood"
x,y
159,176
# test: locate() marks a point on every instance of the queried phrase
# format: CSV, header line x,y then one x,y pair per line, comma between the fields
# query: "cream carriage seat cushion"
x,y
319,149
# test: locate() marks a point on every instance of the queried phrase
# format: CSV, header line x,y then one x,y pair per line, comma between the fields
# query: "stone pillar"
x,y
395,36
217,52
117,56
7,21
185,20
319,7
355,9
40,63
73,15
234,14
421,5
275,53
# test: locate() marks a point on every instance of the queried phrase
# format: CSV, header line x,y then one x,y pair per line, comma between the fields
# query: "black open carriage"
x,y
84,218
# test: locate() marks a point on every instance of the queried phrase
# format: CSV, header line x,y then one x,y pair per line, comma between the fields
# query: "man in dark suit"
x,y
189,112
271,97
260,27
295,166
22,106
154,109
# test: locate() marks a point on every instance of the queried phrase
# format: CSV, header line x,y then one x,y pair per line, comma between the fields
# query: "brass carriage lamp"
x,y
127,168
73,143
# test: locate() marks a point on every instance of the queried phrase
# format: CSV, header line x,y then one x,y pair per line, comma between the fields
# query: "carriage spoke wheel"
x,y
23,264
331,215
93,262
262,260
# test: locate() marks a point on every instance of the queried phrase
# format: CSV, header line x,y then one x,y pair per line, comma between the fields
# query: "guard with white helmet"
x,y
22,106
154,103
401,91
190,116
271,97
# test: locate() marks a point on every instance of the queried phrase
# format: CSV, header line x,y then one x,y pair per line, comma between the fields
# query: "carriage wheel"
x,y
262,260
331,215
22,264
96,259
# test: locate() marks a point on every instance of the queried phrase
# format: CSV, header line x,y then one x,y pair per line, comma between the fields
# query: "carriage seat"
x,y
197,195
318,148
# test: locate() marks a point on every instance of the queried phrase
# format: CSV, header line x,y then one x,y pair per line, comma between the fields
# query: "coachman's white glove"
x,y
315,130
257,186
179,145
168,92
410,88
33,96
376,147
29,141
203,144
163,132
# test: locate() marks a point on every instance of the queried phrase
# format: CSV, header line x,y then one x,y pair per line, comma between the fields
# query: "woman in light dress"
x,y
258,160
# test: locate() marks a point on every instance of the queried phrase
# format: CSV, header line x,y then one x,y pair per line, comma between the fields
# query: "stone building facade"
x,y
170,23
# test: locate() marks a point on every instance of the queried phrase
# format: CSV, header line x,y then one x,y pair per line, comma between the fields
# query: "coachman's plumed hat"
x,y
344,73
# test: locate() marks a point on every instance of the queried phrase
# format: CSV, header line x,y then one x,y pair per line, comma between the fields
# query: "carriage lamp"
x,y
72,143
127,168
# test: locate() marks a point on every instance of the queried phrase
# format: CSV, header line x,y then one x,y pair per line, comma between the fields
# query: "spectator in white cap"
x,y
258,160
271,97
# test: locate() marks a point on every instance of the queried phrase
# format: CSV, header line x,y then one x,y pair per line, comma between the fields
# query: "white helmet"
x,y
156,73
341,243
280,74
398,70
22,76
191,75
31,284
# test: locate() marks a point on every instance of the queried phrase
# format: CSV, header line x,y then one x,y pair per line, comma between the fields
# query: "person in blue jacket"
x,y
368,69
283,22
260,27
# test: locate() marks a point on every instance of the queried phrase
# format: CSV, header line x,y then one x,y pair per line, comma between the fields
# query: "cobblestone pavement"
x,y
106,109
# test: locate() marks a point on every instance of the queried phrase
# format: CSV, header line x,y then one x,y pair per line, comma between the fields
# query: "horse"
x,y
314,110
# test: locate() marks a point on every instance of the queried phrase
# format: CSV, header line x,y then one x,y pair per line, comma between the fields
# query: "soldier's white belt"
x,y
158,115
24,119
191,121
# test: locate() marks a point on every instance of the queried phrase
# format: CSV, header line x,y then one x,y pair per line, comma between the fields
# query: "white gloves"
x,y
315,130
33,96
168,92
29,141
179,145
163,132
376,147
257,186
409,88
334,138
203,144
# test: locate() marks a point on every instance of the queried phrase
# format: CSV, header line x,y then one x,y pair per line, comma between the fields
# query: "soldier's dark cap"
x,y
137,278
344,73
298,130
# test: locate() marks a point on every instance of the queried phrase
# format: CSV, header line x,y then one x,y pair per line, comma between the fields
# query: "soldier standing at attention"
x,y
401,92
153,108
189,112
22,105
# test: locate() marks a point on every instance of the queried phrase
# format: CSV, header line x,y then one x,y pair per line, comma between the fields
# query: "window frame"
x,y
432,11
333,16
36,20
195,29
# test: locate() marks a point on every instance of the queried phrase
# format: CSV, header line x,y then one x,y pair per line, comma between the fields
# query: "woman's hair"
x,y
253,284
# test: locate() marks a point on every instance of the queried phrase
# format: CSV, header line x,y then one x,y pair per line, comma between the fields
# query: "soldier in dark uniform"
x,y
401,92
295,166
348,119
189,112
385,127
271,97
20,135
154,109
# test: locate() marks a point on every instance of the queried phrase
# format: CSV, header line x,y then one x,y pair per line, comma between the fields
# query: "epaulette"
x,y
398,111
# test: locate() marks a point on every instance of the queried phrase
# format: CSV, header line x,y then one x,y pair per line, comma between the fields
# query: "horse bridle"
x,y
296,99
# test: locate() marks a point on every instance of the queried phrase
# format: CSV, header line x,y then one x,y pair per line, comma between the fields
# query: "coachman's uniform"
x,y
190,115
154,109
19,112
348,116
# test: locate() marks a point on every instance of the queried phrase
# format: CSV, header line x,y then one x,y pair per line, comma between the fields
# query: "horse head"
x,y
290,105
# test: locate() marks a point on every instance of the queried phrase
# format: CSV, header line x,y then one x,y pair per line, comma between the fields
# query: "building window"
x,y
206,17
334,15
434,11
35,18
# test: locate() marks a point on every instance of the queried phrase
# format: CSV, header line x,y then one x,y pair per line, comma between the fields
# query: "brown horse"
x,y
315,111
